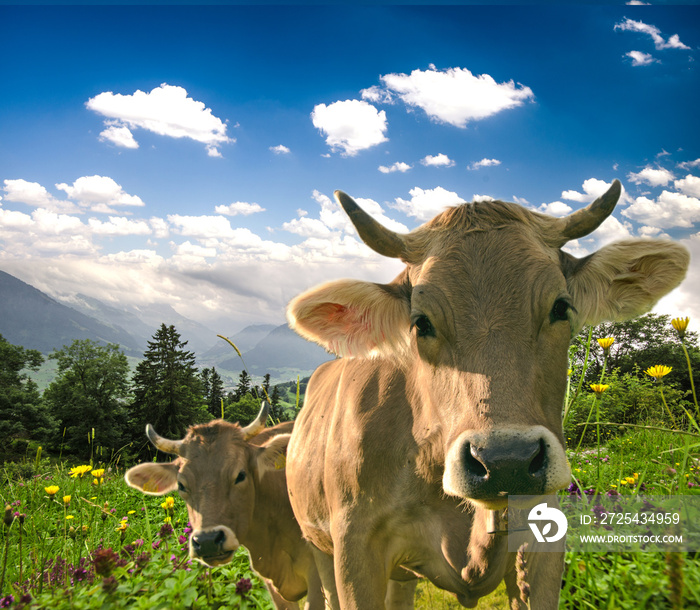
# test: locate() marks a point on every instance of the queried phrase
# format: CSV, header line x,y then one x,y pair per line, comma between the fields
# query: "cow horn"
x,y
376,236
162,444
257,426
585,221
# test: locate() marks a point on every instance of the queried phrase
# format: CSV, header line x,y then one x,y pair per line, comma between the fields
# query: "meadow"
x,y
75,536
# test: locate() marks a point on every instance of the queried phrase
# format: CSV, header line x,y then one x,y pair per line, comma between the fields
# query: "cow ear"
x,y
626,279
153,479
273,454
353,318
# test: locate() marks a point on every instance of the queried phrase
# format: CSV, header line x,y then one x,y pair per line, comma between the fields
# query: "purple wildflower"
x,y
243,586
6,601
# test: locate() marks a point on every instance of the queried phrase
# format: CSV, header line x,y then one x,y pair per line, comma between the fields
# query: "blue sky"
x,y
188,155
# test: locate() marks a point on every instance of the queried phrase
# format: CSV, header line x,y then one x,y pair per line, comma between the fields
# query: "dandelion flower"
x,y
123,524
658,371
98,473
52,490
630,480
168,504
599,388
68,517
66,500
606,343
80,471
681,325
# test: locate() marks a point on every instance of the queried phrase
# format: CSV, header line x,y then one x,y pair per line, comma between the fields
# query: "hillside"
x,y
30,318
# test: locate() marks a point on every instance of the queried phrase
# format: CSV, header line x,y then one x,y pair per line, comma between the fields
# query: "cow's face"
x,y
217,474
481,319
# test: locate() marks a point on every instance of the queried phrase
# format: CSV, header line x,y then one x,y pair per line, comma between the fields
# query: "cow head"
x,y
216,474
481,319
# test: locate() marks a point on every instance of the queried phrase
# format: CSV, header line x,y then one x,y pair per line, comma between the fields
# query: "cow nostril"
x,y
195,543
220,538
538,461
472,463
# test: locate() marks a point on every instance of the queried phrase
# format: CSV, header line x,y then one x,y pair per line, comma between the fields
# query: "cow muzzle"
x,y
214,546
486,468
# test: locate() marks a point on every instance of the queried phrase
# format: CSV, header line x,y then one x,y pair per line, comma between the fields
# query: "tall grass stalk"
x,y
583,374
233,345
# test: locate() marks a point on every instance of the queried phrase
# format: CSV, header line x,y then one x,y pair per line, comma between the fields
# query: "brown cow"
x,y
451,397
235,496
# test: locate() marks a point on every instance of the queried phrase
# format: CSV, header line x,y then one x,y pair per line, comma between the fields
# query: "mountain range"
x,y
34,320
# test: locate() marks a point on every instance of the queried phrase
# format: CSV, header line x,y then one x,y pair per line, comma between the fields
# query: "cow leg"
x,y
360,572
316,595
400,595
544,574
326,573
279,601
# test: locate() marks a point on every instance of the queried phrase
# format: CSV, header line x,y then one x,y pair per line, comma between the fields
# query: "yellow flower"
x,y
606,343
52,490
80,471
635,475
613,485
599,388
681,325
122,526
66,500
568,373
630,480
98,473
168,504
131,512
69,517
658,371
623,481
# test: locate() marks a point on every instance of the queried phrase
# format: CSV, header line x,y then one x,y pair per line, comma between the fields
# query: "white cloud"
x,y
592,188
690,185
99,194
166,111
399,166
456,96
641,59
439,160
119,136
667,211
424,204
556,208
280,149
118,225
201,227
673,42
239,208
651,176
483,163
307,227
350,126
32,193
377,95
520,200
689,164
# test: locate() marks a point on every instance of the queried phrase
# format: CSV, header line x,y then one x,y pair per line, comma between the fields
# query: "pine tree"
x,y
213,388
243,387
168,390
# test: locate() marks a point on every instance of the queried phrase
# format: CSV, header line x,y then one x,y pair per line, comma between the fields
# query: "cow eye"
x,y
559,311
181,488
423,326
241,477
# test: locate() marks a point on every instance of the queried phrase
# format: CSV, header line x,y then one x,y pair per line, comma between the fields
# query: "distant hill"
x,y
281,349
142,322
32,319
244,340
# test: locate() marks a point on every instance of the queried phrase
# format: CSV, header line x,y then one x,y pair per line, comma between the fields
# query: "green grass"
x,y
60,543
